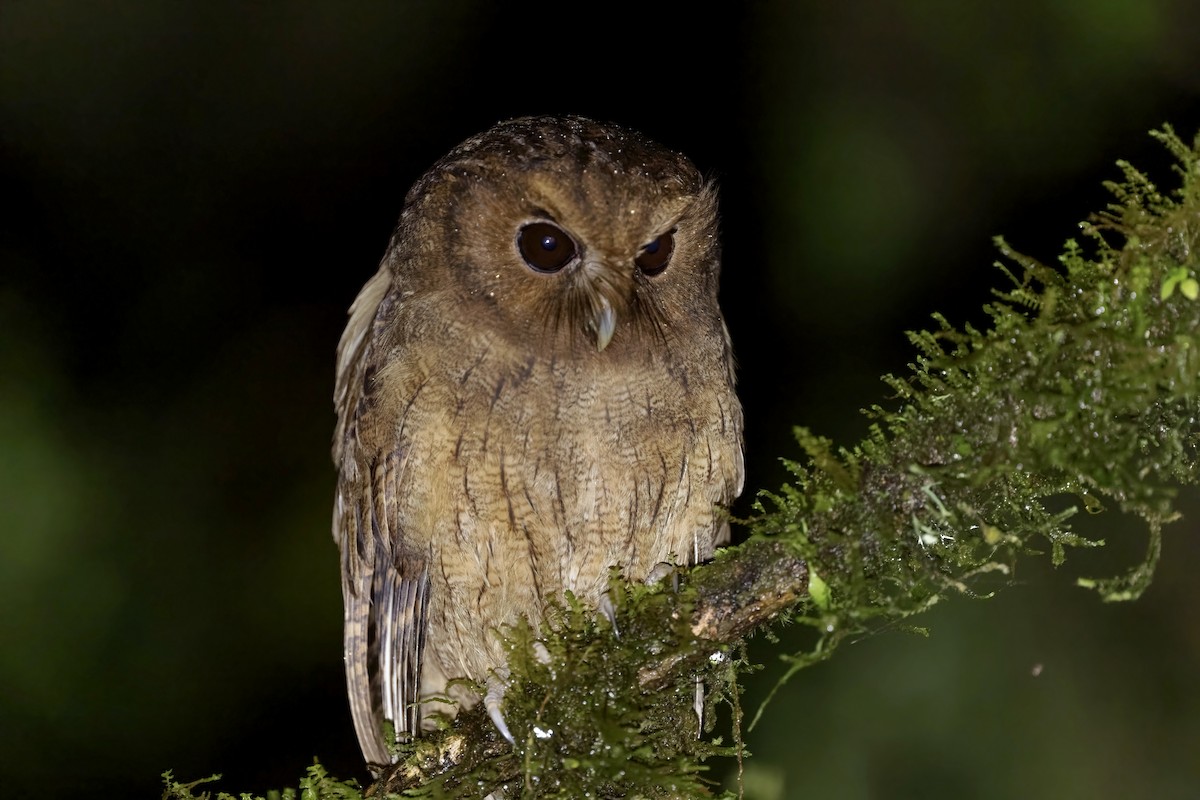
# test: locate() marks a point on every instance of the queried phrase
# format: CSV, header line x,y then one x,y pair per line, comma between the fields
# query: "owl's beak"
x,y
604,292
604,323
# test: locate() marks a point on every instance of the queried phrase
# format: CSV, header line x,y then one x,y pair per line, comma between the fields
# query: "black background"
x,y
196,191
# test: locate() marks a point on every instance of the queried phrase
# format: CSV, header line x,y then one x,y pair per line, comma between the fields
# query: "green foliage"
x,y
1082,393
315,785
589,721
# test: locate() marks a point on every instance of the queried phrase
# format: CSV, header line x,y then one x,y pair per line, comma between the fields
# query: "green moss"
x,y
589,722
315,785
1084,387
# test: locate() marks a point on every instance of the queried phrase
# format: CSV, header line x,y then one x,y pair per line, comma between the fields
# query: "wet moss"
x,y
1084,388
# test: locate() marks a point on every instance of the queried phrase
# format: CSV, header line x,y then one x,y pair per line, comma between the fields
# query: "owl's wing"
x,y
385,593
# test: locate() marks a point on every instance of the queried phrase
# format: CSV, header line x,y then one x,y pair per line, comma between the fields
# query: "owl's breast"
x,y
527,476
524,476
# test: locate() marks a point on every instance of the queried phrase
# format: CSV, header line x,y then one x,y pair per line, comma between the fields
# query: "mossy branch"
x,y
1084,386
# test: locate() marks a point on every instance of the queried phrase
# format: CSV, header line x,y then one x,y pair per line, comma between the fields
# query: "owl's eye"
x,y
545,247
655,256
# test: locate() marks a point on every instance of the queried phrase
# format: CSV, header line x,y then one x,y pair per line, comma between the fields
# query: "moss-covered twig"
x,y
597,702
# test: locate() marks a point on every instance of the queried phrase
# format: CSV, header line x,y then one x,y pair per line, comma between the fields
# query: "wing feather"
x,y
384,587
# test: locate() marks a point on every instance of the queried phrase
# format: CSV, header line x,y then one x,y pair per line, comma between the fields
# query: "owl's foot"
x,y
496,687
660,571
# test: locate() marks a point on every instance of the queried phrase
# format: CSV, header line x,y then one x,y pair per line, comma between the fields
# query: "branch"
x,y
665,632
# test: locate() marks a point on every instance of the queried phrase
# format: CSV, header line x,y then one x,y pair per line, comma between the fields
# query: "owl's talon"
x,y
609,612
661,570
491,701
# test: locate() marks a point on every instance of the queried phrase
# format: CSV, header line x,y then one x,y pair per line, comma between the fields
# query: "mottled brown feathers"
x,y
506,432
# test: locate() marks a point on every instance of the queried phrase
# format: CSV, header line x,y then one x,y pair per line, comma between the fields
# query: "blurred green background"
x,y
196,191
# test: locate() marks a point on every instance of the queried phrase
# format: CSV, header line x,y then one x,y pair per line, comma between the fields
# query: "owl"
x,y
536,386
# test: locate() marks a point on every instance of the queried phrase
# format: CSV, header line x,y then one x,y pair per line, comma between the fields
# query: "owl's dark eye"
x,y
545,247
655,256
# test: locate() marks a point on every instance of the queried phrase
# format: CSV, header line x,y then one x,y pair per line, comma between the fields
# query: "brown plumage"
x,y
537,385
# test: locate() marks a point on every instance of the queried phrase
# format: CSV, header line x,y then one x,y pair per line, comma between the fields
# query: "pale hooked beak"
x,y
603,322
604,291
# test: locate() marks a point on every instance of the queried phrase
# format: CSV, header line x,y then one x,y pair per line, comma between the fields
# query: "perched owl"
x,y
536,386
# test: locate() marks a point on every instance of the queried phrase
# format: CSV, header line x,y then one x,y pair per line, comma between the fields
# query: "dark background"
x,y
194,193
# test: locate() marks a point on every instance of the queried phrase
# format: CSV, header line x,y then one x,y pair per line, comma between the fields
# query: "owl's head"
x,y
565,232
